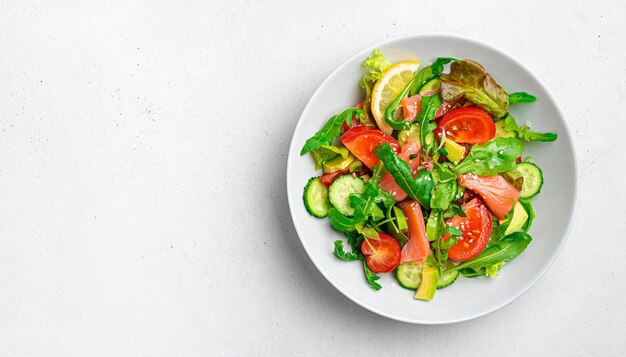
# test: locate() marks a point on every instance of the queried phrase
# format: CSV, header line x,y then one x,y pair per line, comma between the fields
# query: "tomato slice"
x,y
476,228
388,183
411,106
362,140
468,125
383,255
418,247
499,195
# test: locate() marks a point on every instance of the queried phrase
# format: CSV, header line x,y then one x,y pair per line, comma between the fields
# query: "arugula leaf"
x,y
426,118
376,64
365,204
453,231
427,73
524,131
371,277
434,225
341,254
506,249
343,223
453,210
330,131
528,207
494,157
495,228
521,97
470,80
328,152
418,188
504,226
471,273
445,187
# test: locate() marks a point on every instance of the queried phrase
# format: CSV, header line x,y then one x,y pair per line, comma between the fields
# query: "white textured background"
x,y
143,208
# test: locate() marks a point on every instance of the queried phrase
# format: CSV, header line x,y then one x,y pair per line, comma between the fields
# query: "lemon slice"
x,y
388,87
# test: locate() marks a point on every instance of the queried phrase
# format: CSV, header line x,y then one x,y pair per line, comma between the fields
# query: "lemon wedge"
x,y
388,87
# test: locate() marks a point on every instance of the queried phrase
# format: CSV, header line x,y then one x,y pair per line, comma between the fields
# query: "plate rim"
x,y
576,179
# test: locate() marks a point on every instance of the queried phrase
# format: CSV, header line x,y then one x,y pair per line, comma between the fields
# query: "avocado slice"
x,y
517,222
501,132
430,277
455,151
337,164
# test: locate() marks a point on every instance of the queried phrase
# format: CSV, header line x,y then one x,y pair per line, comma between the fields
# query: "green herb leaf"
x,y
524,132
343,255
330,131
343,223
506,249
494,157
453,231
470,80
418,188
327,153
445,187
528,207
371,277
521,97
434,225
452,211
427,73
426,118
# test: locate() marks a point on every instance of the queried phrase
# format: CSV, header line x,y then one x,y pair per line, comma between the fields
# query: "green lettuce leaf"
x,y
492,158
427,73
470,80
376,64
326,153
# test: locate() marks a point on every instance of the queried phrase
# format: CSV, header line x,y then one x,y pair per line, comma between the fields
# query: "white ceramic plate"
x,y
466,298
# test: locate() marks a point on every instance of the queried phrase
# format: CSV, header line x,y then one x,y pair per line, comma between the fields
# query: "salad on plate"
x,y
426,177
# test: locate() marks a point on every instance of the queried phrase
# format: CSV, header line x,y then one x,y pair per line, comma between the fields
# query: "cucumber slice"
x,y
316,198
409,275
447,278
340,190
533,179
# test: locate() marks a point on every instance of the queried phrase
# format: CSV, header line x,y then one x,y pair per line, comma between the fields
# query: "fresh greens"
x,y
376,64
330,131
444,191
524,131
391,109
418,188
492,270
426,118
494,157
470,80
521,97
427,73
528,207
371,277
343,255
506,249
326,153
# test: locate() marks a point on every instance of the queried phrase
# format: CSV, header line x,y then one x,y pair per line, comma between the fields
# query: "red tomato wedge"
x,y
467,126
476,228
362,140
418,247
411,106
499,195
383,255
388,183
